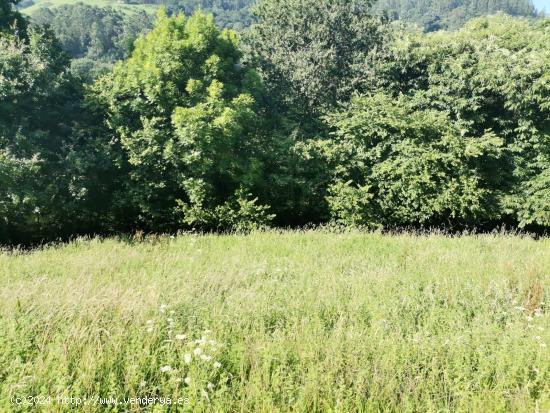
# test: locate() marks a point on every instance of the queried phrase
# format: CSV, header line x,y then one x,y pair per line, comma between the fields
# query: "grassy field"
x,y
126,8
296,321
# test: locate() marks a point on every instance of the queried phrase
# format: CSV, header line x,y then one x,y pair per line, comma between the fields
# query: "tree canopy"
x,y
451,14
11,20
484,95
94,37
183,109
321,113
311,53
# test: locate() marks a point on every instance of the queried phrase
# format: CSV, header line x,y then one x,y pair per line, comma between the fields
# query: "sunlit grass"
x,y
296,321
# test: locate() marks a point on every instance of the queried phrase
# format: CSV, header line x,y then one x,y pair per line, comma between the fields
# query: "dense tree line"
x,y
451,14
429,14
94,37
232,14
320,112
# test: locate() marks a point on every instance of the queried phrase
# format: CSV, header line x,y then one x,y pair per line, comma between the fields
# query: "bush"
x,y
398,165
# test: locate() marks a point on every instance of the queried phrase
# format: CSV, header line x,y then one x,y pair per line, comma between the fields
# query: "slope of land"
x,y
123,7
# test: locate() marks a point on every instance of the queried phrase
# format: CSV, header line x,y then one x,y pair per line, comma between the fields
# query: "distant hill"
x,y
451,14
29,7
236,14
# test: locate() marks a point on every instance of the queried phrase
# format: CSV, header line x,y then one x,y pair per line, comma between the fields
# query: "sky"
x,y
542,4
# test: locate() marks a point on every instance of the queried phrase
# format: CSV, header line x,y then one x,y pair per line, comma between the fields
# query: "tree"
x,y
47,143
11,20
397,165
311,53
183,110
434,15
94,37
488,85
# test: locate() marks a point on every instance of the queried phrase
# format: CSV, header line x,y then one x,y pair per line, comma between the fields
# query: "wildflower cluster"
x,y
530,318
191,360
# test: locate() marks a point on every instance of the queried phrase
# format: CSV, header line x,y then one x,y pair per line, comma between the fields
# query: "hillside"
x,y
451,14
29,7
236,14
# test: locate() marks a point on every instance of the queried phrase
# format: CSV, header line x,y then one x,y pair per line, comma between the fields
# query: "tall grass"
x,y
297,321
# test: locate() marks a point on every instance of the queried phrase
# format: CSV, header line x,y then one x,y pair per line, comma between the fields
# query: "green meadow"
x,y
277,322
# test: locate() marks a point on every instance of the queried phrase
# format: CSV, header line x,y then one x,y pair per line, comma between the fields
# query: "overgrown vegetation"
x,y
291,322
320,112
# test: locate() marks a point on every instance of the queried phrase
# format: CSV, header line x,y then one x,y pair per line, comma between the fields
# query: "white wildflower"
x,y
165,369
543,345
529,318
149,321
180,337
187,358
210,386
162,308
187,380
217,364
197,351
205,357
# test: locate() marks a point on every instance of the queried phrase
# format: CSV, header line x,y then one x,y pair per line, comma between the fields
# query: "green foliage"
x,y
311,56
32,77
183,109
346,118
94,37
240,213
533,202
451,14
48,151
311,53
11,20
397,165
492,76
228,14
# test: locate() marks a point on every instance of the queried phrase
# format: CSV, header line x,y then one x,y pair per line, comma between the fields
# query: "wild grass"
x,y
293,321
